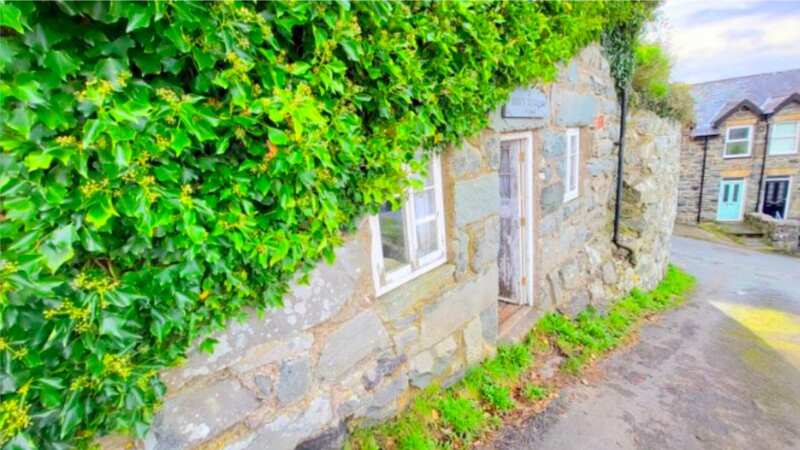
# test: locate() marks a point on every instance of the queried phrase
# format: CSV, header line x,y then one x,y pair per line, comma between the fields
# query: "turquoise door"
x,y
731,200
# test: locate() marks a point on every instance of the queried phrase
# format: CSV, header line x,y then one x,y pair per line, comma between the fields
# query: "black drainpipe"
x,y
702,178
763,165
620,159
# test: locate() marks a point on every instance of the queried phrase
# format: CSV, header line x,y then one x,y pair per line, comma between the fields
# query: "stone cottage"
x,y
743,155
515,223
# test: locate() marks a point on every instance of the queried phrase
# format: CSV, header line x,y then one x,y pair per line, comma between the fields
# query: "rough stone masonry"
x,y
336,352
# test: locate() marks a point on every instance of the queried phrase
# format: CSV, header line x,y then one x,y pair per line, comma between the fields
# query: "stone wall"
x,y
783,235
691,164
650,195
748,168
336,352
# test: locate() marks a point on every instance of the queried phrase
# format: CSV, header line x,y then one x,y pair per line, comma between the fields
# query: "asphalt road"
x,y
722,372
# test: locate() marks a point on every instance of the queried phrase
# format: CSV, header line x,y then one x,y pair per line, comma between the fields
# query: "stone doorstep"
x,y
740,229
516,322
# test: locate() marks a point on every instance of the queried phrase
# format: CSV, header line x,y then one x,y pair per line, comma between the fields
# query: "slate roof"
x,y
714,99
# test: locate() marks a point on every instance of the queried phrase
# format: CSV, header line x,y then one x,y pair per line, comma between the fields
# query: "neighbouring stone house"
x,y
515,223
743,155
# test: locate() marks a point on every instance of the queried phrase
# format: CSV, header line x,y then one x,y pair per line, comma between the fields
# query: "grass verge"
x,y
458,416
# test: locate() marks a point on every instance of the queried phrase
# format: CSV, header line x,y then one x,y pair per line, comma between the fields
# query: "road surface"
x,y
721,372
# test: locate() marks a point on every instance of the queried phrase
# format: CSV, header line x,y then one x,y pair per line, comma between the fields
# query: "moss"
x,y
719,232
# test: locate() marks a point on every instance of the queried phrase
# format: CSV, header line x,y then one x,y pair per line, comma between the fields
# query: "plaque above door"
x,y
525,103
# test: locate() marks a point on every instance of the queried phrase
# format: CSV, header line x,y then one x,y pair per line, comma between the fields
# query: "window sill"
x,y
737,156
382,290
569,198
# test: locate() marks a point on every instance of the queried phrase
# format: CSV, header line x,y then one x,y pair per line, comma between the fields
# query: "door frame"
x,y
743,199
788,193
526,205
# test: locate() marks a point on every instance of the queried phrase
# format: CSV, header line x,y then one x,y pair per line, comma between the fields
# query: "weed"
x,y
461,415
533,392
510,361
499,397
573,364
416,439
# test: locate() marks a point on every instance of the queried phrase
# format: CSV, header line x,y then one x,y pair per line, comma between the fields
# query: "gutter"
x,y
702,178
763,166
620,171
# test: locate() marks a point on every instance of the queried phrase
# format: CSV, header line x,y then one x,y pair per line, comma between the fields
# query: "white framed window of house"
x,y
410,241
572,164
784,138
738,142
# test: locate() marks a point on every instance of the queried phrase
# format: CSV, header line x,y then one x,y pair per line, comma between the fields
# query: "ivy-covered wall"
x,y
167,164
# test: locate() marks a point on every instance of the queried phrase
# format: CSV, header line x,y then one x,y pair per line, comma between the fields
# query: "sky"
x,y
716,39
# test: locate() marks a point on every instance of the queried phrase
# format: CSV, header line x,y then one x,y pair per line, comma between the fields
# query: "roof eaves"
x,y
794,97
730,111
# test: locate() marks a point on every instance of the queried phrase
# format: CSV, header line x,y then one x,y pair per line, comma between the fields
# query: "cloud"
x,y
715,40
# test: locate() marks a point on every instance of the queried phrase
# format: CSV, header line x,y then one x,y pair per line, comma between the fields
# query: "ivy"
x,y
169,166
620,41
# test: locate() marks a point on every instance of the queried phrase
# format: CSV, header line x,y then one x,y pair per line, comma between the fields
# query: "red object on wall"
x,y
600,122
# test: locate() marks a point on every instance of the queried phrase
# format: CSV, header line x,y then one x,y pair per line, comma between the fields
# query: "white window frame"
x,y
570,171
796,138
728,140
386,281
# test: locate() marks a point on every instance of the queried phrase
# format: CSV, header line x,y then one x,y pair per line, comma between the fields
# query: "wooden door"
x,y
515,262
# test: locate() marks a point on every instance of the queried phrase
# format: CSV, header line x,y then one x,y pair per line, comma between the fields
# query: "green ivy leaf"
x,y
196,233
113,325
22,120
60,63
38,160
208,344
11,16
180,140
278,137
91,130
100,212
71,415
140,18
57,249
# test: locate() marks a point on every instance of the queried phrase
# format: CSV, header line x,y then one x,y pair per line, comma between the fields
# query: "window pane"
x,y
739,133
725,193
573,179
426,238
784,130
393,239
781,145
736,148
735,193
424,204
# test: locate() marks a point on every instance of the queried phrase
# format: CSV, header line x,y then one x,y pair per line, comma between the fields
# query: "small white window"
x,y
573,163
784,138
410,241
738,141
